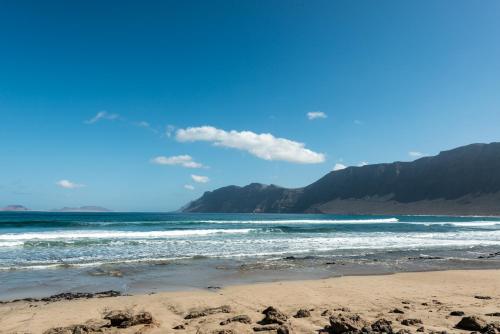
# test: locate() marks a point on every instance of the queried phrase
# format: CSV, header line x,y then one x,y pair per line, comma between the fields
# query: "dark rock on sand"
x,y
223,331
266,328
273,316
457,313
283,330
397,310
208,311
181,326
244,319
483,297
120,319
471,323
494,314
403,331
491,329
411,322
421,329
68,296
75,329
345,323
302,313
382,326
125,319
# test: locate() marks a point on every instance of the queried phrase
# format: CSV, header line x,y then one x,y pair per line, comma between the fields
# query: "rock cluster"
x,y
113,319
354,324
208,311
244,319
302,313
125,319
411,322
68,296
273,316
457,313
471,323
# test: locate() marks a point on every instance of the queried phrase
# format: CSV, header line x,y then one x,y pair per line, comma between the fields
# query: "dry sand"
x,y
429,296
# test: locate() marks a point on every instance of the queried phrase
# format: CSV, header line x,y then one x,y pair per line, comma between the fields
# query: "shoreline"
x,y
191,274
427,296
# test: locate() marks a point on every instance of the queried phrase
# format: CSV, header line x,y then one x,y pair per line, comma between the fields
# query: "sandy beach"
x,y
426,296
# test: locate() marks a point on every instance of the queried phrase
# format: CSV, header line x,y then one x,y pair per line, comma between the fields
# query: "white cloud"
x,y
264,145
339,166
188,187
362,163
68,184
415,154
316,115
180,160
102,115
200,178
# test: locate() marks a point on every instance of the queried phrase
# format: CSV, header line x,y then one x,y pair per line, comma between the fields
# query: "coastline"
x,y
427,296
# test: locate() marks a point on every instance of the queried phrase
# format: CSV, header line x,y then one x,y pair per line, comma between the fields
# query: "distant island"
x,y
461,181
14,207
87,208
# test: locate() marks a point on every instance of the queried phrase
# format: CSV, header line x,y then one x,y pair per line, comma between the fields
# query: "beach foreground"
x,y
426,296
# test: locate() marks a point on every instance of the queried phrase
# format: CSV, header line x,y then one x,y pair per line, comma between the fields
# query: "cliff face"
x,y
254,197
465,180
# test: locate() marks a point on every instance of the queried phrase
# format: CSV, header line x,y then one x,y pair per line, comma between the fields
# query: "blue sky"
x,y
172,79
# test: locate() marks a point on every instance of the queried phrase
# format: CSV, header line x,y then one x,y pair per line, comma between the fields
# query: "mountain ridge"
x,y
461,181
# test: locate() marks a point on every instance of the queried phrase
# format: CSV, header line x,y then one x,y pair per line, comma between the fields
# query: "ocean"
x,y
43,253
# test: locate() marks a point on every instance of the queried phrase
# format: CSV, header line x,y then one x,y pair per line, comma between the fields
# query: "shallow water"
x,y
43,253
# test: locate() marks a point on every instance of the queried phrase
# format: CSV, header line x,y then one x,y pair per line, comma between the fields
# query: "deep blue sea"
x,y
49,252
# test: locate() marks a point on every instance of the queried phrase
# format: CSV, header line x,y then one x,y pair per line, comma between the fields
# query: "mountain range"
x,y
461,181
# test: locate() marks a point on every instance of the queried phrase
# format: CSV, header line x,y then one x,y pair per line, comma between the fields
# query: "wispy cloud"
x,y
264,146
179,160
416,154
339,166
200,178
102,115
66,184
188,187
169,130
312,115
146,125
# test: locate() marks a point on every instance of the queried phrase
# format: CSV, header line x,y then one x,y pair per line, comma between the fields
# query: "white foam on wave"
x,y
64,235
11,243
304,221
482,223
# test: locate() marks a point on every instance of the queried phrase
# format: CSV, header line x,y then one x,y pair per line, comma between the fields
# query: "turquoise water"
x,y
40,240
75,250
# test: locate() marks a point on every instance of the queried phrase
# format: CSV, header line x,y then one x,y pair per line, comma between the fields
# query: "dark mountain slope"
x,y
465,180
255,197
